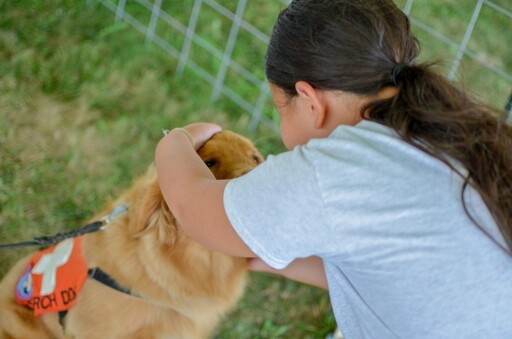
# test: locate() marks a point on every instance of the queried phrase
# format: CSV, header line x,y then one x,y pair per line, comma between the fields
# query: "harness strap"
x,y
62,315
99,275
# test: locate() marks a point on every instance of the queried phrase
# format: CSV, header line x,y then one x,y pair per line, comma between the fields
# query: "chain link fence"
x,y
223,42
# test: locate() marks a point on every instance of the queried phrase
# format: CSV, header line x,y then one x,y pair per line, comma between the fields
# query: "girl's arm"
x,y
195,198
193,194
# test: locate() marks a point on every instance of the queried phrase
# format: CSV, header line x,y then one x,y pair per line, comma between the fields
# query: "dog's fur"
x,y
184,288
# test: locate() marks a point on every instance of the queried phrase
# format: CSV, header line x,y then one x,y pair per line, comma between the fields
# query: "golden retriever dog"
x,y
164,285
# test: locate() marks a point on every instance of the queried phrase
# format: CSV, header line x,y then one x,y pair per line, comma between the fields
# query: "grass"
x,y
83,100
82,104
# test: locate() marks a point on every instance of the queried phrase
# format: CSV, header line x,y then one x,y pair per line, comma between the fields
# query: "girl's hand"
x,y
258,265
202,132
307,270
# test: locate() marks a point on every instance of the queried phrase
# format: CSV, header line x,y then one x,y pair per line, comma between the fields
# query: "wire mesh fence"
x,y
223,42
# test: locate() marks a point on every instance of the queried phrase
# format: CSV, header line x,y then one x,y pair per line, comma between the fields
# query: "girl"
x,y
396,193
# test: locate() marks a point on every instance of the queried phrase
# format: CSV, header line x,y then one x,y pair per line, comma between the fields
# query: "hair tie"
x,y
396,72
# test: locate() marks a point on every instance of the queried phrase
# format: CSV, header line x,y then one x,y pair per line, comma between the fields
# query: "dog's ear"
x,y
154,217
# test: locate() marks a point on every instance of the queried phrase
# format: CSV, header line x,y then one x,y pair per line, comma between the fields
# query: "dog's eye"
x,y
210,162
256,159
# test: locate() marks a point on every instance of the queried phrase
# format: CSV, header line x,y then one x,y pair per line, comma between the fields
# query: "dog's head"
x,y
227,154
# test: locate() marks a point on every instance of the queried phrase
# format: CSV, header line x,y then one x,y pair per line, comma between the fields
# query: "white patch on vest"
x,y
48,264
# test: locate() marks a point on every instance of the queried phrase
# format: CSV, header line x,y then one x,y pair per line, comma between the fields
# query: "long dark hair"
x,y
354,46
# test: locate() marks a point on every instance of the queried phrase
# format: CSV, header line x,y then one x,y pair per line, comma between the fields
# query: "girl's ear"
x,y
315,101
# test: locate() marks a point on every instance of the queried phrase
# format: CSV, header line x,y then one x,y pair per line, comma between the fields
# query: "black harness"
x,y
100,276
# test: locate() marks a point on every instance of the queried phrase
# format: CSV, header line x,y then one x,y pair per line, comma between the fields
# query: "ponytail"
x,y
433,115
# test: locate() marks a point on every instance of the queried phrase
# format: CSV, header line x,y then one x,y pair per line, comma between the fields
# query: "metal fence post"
x,y
120,10
508,109
228,51
189,36
465,40
155,14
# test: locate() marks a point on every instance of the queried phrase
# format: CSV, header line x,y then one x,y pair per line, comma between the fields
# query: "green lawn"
x,y
82,103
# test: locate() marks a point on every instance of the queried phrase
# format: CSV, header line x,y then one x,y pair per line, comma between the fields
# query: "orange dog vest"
x,y
53,278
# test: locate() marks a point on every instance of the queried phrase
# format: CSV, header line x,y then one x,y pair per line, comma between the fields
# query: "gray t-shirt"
x,y
402,258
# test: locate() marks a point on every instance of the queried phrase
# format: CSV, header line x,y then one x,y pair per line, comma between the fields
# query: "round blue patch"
x,y
24,285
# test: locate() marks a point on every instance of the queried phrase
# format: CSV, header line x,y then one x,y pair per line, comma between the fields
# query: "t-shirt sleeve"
x,y
277,209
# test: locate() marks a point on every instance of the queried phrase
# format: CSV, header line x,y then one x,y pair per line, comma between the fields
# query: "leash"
x,y
47,241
